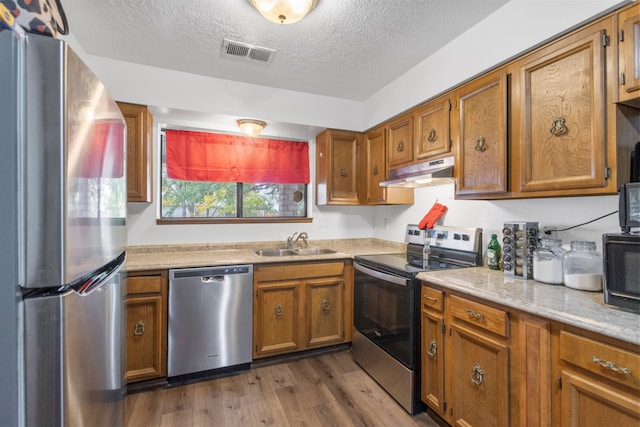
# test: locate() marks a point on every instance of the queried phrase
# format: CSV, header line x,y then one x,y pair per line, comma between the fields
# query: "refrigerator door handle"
x,y
90,282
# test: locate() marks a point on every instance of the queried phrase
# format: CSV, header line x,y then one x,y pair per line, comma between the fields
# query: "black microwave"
x,y
621,270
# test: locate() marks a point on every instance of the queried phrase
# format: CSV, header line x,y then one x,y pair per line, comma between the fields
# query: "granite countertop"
x,y
204,255
582,309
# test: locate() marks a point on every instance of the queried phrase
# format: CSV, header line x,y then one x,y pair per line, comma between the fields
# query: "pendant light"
x,y
283,11
251,127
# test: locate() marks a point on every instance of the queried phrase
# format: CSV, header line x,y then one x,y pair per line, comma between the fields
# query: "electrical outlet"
x,y
386,223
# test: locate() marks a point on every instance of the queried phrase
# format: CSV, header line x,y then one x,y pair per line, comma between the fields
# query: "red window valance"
x,y
201,156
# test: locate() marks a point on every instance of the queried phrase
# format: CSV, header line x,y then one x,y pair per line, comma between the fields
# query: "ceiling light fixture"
x,y
251,127
283,11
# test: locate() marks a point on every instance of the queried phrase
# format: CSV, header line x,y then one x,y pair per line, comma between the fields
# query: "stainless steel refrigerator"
x,y
63,158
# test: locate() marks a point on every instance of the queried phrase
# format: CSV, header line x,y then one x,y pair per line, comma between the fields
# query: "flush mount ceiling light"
x,y
251,127
283,11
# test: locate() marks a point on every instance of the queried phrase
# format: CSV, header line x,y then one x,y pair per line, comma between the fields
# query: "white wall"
x,y
179,98
555,213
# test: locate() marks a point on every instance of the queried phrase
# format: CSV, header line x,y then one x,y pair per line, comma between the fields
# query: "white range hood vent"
x,y
435,172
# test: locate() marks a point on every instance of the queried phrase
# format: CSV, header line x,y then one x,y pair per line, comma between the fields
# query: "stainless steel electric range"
x,y
386,342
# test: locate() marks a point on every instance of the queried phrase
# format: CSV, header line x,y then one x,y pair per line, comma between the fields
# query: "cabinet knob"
x,y
432,349
477,375
558,126
325,305
343,172
139,329
481,144
375,170
400,146
279,310
432,135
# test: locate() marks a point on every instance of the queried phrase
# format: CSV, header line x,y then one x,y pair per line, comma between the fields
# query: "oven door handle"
x,y
396,280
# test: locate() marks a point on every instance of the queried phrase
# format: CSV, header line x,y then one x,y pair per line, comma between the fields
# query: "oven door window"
x,y
383,312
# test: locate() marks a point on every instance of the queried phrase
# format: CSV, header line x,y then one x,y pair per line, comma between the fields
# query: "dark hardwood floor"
x,y
322,390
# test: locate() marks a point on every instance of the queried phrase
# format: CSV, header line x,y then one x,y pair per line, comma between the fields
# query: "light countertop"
x,y
573,307
582,309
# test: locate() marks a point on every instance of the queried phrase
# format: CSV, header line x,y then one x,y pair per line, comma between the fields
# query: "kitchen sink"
x,y
314,251
278,252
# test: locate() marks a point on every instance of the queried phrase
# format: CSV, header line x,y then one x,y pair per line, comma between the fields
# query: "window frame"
x,y
160,220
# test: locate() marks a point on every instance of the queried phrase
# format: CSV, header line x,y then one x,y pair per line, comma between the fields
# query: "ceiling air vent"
x,y
247,51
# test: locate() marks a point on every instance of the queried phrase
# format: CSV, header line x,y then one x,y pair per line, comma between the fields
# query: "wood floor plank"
x,y
323,390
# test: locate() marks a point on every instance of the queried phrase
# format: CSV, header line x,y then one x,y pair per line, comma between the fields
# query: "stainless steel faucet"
x,y
295,237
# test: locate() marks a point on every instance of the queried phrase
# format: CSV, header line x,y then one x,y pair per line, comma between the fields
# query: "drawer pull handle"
x,y
474,314
432,349
325,305
477,376
139,329
279,310
611,366
432,299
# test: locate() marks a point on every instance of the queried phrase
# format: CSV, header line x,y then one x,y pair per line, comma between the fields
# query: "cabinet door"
x,y
586,402
482,129
562,127
337,168
374,169
144,338
139,176
432,129
629,53
479,381
277,318
325,311
400,147
433,361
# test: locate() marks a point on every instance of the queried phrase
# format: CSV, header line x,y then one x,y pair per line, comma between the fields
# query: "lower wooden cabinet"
x,y
488,365
301,306
146,330
477,364
600,385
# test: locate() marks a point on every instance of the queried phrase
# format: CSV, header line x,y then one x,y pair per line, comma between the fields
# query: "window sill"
x,y
274,220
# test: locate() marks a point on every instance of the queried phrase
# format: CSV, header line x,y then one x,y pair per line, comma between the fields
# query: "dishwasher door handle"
x,y
211,279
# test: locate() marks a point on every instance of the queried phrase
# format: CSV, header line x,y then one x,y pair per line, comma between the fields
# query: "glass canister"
x,y
547,261
582,267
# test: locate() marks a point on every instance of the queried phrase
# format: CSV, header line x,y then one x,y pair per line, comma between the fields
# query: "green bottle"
x,y
493,253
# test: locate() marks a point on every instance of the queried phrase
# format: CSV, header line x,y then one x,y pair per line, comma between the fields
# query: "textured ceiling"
x,y
344,48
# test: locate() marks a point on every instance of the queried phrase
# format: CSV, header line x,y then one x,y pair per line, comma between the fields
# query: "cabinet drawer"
x,y
432,298
613,363
299,271
144,285
485,317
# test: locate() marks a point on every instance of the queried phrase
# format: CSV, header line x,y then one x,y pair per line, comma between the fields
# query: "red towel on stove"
x,y
434,214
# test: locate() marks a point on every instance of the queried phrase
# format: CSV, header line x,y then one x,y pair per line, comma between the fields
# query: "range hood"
x,y
435,172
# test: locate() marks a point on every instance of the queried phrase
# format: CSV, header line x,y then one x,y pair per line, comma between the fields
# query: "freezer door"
x,y
72,160
74,357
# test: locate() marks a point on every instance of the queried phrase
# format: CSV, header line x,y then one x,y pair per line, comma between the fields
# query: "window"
x,y
197,169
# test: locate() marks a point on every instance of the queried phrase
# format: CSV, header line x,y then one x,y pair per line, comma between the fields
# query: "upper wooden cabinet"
x,y
337,167
481,132
432,129
560,113
629,54
139,147
373,171
400,143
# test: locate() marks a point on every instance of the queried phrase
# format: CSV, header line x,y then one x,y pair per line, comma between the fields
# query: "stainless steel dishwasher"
x,y
210,318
